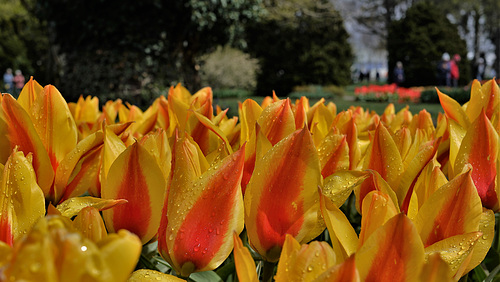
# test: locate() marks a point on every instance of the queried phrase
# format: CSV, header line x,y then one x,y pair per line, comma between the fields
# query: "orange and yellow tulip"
x,y
202,209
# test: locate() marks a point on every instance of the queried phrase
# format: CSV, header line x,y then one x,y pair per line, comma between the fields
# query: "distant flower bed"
x,y
387,93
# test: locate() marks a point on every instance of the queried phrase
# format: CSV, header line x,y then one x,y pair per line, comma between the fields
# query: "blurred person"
x,y
8,81
481,66
19,82
399,73
443,70
454,71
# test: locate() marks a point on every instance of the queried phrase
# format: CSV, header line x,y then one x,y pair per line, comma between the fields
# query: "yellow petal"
x,y
436,270
453,109
146,275
483,243
89,223
245,265
73,206
21,198
344,272
341,231
455,251
377,209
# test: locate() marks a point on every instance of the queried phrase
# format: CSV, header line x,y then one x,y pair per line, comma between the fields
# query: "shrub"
x,y
228,68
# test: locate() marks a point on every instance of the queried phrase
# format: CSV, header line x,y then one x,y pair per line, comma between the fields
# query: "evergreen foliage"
x,y
419,40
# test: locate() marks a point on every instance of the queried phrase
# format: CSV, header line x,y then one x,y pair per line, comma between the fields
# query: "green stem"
x,y
268,271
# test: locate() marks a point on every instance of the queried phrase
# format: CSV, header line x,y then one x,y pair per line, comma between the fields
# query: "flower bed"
x,y
387,93
285,191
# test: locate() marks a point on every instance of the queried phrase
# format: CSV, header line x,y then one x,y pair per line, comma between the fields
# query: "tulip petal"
x,y
482,154
29,94
245,265
483,243
17,127
121,252
453,109
333,153
22,201
383,156
290,248
455,251
89,223
344,272
145,275
135,177
277,121
73,206
344,238
291,170
377,209
338,186
453,209
436,270
392,253
54,123
202,215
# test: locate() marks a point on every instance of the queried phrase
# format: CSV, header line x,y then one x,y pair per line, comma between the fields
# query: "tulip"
x,y
17,129
303,262
291,170
136,177
21,199
482,153
53,251
202,209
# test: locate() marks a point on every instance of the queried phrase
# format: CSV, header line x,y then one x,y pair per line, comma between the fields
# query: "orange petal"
x,y
482,154
18,129
392,253
135,177
344,272
373,182
201,215
291,170
277,121
453,209
383,156
333,153
245,265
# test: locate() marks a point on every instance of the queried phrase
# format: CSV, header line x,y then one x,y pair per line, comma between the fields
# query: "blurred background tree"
x,y
299,42
419,40
137,48
23,40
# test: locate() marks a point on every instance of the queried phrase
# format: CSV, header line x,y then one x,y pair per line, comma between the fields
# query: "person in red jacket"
x,y
454,71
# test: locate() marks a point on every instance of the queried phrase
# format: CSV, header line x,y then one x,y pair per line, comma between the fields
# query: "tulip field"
x,y
285,191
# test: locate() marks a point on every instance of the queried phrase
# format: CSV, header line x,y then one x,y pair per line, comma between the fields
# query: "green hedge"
x,y
459,94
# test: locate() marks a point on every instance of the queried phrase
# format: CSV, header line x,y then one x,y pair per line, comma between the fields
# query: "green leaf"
x,y
206,276
479,274
493,275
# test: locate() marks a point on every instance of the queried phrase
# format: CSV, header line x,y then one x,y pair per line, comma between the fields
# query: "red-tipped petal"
x,y
135,177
